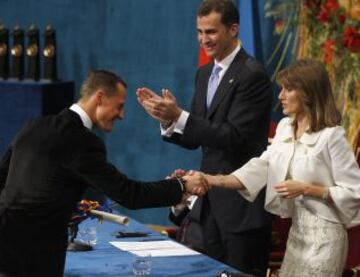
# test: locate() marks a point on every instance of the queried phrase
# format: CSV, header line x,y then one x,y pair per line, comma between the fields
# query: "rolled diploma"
x,y
110,217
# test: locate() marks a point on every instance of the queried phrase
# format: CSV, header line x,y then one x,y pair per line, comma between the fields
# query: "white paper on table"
x,y
155,248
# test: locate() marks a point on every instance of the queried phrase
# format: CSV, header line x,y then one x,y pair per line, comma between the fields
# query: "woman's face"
x,y
291,102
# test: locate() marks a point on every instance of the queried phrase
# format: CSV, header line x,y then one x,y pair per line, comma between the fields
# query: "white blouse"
x,y
323,157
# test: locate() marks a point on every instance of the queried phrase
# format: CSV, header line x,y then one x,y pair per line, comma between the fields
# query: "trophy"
x,y
49,53
32,54
4,52
17,62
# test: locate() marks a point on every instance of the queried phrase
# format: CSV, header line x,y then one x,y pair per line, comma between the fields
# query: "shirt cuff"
x,y
169,131
175,211
177,126
181,122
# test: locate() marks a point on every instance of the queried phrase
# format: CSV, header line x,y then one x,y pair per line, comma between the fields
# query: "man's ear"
x,y
99,97
234,29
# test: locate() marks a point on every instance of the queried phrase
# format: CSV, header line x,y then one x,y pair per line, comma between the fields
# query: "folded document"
x,y
157,248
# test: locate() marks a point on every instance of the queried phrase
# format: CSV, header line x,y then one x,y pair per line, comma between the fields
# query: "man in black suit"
x,y
230,124
189,230
49,165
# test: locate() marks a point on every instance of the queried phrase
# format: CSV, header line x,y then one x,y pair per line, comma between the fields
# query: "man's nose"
x,y
203,38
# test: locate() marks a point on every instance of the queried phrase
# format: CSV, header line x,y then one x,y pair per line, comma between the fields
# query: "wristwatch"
x,y
182,183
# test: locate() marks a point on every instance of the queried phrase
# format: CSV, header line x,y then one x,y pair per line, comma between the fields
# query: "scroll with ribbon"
x,y
114,218
92,209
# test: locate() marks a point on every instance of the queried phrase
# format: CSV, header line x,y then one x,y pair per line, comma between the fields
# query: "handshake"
x,y
196,183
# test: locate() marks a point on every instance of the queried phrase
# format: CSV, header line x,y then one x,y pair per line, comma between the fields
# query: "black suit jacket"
x,y
233,130
49,165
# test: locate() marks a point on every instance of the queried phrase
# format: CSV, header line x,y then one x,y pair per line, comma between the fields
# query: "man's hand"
x,y
144,95
163,108
196,183
178,173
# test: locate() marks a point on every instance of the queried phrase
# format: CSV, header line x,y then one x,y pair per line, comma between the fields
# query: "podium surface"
x,y
107,260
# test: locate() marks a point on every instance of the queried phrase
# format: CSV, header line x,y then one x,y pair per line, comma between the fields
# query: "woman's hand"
x,y
290,188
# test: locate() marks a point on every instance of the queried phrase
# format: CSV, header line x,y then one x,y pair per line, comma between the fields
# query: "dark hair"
x,y
101,79
310,79
227,9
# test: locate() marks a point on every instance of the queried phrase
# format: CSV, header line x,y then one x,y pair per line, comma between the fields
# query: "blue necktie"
x,y
213,84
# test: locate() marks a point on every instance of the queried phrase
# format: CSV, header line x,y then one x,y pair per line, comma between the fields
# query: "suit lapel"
x,y
227,82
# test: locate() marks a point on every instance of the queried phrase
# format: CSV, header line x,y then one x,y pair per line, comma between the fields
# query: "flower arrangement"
x,y
331,34
328,31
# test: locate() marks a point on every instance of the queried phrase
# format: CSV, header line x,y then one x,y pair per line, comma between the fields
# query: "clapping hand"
x,y
163,108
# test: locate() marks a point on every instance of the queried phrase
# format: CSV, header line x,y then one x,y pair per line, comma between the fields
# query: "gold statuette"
x,y
3,49
16,50
49,51
32,50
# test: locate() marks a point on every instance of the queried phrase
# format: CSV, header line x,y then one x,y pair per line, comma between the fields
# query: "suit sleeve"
x,y
91,166
249,109
4,168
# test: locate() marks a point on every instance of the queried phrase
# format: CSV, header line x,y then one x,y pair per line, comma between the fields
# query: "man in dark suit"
x,y
229,120
50,164
189,230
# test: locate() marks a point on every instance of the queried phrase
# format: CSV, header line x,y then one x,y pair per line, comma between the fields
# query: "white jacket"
x,y
323,157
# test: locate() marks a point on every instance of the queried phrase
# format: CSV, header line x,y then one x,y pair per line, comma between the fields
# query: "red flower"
x,y
279,26
329,46
331,5
351,39
327,9
342,17
323,17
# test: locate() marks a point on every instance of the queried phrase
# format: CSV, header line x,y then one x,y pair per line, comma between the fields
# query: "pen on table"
x,y
154,239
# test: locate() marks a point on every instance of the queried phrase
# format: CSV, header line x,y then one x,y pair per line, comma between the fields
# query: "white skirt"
x,y
315,247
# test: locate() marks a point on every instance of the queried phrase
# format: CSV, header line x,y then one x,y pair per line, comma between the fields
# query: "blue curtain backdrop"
x,y
259,40
149,43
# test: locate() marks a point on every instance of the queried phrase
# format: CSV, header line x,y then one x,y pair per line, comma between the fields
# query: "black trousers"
x,y
26,252
246,251
31,260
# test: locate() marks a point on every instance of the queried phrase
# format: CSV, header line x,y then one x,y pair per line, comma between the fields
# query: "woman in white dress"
x,y
310,172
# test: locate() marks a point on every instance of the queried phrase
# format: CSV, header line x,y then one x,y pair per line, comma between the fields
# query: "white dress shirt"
x,y
179,125
322,157
83,115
